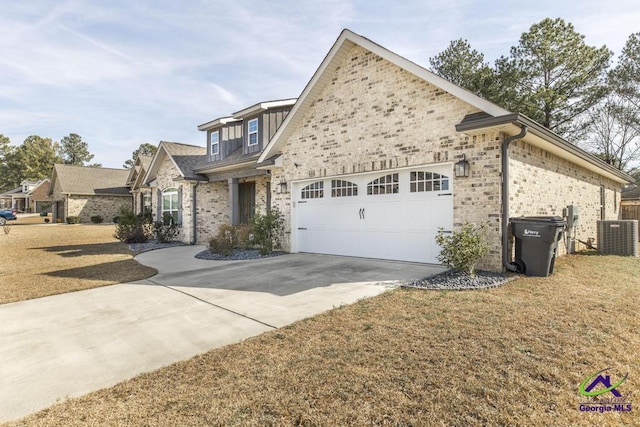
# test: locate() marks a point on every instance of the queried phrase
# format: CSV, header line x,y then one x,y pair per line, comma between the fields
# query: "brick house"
x,y
205,187
31,196
368,155
364,164
141,193
85,192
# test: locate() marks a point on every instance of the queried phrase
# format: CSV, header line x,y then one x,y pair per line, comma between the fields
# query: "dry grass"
x,y
48,259
514,355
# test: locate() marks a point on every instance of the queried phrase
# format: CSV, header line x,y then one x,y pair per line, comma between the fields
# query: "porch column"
x,y
234,202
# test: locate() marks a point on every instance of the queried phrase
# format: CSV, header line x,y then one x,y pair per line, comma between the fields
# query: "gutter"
x,y
506,262
195,210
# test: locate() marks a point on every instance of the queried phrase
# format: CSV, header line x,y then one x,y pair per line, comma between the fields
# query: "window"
x,y
170,203
387,184
313,191
427,181
340,188
253,132
146,203
215,143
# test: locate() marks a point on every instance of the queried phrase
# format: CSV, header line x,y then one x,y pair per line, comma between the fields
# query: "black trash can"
x,y
537,239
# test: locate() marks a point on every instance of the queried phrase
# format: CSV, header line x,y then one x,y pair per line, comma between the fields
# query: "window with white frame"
x,y
253,132
215,143
170,203
341,188
313,191
420,181
387,184
146,202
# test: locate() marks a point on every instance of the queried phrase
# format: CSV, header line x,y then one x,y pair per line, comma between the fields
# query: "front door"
x,y
247,199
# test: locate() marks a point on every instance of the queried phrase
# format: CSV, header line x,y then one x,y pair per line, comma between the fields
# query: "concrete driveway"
x,y
68,345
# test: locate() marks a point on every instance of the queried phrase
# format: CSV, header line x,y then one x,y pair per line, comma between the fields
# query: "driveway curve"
x,y
69,345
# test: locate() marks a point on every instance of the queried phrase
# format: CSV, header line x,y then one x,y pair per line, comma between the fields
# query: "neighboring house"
x,y
40,200
220,183
368,155
141,193
87,191
630,203
29,197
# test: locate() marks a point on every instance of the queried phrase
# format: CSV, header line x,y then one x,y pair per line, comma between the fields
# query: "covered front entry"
x,y
393,214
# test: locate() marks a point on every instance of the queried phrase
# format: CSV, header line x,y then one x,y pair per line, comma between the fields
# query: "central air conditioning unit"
x,y
618,237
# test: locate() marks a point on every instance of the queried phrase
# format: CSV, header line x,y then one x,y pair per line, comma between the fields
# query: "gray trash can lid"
x,y
543,220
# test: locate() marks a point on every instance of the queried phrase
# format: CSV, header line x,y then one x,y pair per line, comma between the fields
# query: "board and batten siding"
x,y
230,140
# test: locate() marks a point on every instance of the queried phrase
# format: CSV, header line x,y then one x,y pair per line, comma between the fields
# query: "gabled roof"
x,y
327,68
185,158
539,136
140,167
84,180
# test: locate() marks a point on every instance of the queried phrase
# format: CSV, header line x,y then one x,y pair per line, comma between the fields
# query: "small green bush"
x,y
268,230
97,219
462,249
73,220
132,228
165,230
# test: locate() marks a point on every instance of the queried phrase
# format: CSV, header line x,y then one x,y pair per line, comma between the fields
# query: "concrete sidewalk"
x,y
68,345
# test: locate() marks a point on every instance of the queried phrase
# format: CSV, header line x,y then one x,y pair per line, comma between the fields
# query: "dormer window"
x,y
215,143
253,132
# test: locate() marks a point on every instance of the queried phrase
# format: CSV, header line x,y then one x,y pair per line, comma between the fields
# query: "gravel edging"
x,y
236,255
457,280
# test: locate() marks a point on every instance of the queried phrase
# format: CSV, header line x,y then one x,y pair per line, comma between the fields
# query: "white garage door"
x,y
387,215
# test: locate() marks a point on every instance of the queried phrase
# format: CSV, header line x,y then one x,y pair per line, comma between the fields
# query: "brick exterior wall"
x,y
85,207
541,183
167,172
39,194
212,209
374,116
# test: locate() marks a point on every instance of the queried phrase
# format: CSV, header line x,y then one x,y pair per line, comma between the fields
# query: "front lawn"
x,y
47,259
513,355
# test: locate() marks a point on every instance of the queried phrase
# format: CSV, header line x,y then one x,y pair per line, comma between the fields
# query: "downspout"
x,y
195,210
505,197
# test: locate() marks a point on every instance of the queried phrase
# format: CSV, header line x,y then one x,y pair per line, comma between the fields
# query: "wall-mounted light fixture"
x,y
461,167
282,185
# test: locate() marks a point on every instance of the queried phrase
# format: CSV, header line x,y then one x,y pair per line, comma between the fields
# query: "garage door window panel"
x,y
341,188
387,184
422,181
313,191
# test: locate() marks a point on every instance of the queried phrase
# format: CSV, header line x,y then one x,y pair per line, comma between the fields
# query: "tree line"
x,y
34,158
554,77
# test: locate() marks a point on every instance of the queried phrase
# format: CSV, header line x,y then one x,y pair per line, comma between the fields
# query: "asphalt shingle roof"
x,y
187,157
87,180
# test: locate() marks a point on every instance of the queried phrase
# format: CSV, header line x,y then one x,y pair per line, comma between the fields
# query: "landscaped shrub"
x,y
46,220
244,237
462,249
225,240
97,219
132,228
268,230
73,220
165,230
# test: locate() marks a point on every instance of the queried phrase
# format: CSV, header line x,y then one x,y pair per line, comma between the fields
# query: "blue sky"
x,y
122,72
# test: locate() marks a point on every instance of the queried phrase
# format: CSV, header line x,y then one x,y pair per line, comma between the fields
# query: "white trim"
x,y
321,78
217,122
249,133
263,106
217,143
